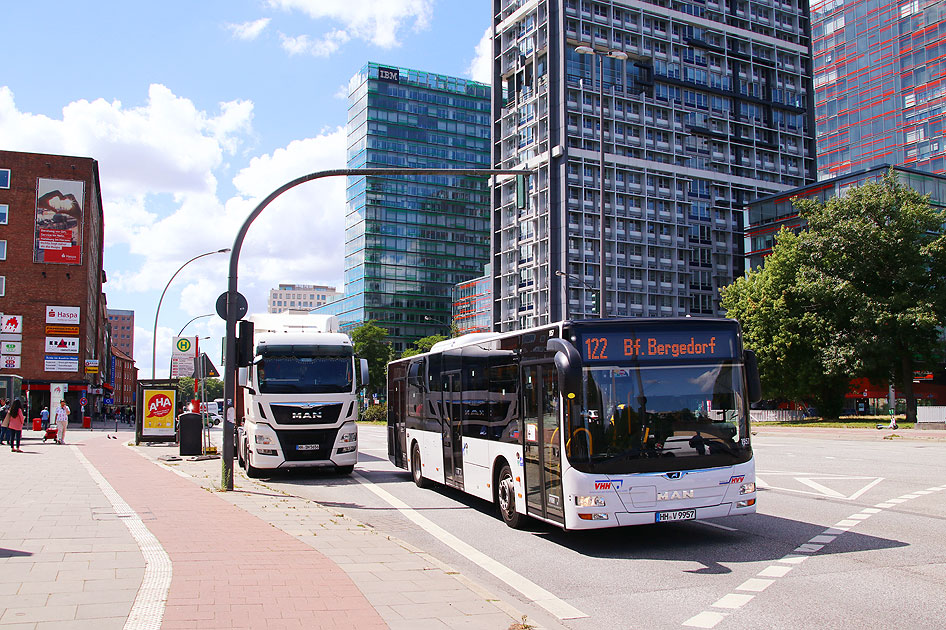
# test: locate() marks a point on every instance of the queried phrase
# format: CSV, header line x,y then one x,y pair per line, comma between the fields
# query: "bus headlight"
x,y
264,439
589,501
349,437
747,488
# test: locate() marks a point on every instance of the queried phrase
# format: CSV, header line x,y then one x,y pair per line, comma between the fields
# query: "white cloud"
x,y
481,68
248,31
376,21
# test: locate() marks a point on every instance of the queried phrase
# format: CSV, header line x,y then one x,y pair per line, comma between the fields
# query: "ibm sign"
x,y
391,75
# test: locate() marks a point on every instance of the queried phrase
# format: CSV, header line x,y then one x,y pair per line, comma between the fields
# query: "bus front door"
x,y
452,440
542,442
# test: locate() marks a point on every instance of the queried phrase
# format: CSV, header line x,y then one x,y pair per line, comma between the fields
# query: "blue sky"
x,y
195,111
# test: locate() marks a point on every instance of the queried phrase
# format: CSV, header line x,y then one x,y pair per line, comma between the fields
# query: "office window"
x,y
4,212
4,178
3,286
3,250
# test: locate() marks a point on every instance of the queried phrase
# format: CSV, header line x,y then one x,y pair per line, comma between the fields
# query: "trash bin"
x,y
86,422
189,434
37,424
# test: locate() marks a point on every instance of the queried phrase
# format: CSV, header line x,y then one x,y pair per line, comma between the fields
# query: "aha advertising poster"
x,y
159,405
58,230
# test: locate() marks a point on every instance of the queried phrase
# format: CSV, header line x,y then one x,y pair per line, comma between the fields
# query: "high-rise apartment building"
x,y
879,70
300,297
410,239
123,330
703,107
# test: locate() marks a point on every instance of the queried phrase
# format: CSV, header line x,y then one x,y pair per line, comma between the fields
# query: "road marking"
x,y
826,491
148,610
717,525
709,618
529,589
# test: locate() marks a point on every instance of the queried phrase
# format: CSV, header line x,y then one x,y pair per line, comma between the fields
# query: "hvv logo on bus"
x,y
604,484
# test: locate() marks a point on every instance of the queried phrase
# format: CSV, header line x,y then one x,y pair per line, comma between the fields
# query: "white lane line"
x,y
923,492
822,539
733,600
755,585
774,571
870,511
148,610
846,523
860,517
792,559
706,619
808,548
897,500
529,589
716,525
865,489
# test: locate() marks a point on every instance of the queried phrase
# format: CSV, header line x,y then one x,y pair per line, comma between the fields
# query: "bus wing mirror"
x,y
753,382
568,362
364,372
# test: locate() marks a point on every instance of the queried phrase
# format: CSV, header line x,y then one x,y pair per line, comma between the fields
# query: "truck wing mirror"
x,y
244,350
364,372
243,379
568,362
753,382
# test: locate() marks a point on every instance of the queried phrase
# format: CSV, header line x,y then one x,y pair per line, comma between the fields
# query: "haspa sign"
x,y
62,315
158,413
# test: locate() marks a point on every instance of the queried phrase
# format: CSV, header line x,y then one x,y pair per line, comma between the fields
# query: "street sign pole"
x,y
233,295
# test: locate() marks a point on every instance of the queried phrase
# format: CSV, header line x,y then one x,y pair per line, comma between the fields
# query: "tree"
x,y
880,250
798,359
423,344
860,292
213,388
370,344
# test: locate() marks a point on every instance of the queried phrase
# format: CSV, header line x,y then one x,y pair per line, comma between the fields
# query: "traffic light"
x,y
521,190
595,301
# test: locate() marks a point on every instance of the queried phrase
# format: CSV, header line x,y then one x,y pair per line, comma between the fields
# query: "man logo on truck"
x,y
307,415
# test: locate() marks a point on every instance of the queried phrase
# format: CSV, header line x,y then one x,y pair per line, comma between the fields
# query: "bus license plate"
x,y
307,447
677,515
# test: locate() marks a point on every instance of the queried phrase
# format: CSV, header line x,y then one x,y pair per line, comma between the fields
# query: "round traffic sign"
x,y
83,401
183,344
239,305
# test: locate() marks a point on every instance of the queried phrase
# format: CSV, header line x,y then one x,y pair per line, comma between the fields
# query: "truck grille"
x,y
317,444
310,413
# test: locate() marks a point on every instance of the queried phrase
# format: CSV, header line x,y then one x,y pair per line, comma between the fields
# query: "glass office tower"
x,y
879,84
410,239
704,106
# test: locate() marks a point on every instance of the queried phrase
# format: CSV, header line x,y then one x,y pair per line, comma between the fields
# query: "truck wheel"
x,y
240,457
251,471
345,470
506,498
416,470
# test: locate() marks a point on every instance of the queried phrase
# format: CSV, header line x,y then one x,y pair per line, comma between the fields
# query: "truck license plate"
x,y
677,515
307,447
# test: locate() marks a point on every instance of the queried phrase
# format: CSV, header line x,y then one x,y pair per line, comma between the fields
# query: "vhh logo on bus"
x,y
608,485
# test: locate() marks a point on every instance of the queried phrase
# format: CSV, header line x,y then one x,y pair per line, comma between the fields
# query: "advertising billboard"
x,y
158,416
68,315
182,357
53,363
57,236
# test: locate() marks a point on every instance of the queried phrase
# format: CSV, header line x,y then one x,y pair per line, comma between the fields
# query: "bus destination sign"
x,y
621,346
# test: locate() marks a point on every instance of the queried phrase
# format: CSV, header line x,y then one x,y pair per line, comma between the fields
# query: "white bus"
x,y
299,395
586,423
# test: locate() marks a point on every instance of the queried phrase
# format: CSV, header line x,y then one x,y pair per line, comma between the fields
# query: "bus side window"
x,y
503,401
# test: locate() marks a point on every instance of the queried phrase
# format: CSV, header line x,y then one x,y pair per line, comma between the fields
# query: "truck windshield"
x,y
286,374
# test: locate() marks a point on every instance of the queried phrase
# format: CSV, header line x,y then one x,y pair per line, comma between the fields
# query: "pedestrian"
x,y
14,420
44,417
4,423
62,422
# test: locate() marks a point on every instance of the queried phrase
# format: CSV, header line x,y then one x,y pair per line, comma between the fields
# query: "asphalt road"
x,y
883,564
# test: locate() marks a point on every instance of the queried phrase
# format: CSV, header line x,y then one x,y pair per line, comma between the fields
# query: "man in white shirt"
x,y
62,422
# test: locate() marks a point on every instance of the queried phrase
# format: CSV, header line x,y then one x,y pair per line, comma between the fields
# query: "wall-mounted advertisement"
x,y
10,362
57,391
58,229
63,315
55,363
11,323
62,345
159,407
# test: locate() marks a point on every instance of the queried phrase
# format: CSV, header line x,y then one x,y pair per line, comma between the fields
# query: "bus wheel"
x,y
418,475
506,494
251,471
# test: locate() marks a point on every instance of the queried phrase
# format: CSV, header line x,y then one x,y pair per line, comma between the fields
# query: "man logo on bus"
x,y
608,485
676,494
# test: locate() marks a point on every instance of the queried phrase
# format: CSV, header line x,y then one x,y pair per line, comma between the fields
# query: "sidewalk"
x,y
766,428
252,558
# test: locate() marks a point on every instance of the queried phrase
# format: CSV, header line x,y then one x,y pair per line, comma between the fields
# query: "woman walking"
x,y
15,428
62,421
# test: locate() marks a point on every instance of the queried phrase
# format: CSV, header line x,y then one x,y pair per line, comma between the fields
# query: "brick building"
x,y
51,238
124,376
123,330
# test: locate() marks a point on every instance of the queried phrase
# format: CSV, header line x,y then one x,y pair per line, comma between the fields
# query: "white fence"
x,y
775,415
931,414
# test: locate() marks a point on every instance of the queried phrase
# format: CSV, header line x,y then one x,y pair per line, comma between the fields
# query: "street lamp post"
x,y
587,287
181,331
232,300
614,54
154,332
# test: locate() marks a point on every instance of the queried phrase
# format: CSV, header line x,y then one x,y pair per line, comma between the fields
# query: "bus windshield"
x,y
657,399
286,374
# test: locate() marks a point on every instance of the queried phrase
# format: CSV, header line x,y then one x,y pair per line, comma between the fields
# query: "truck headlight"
x,y
264,439
349,437
747,488
589,501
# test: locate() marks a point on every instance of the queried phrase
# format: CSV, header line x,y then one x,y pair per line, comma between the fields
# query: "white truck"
x,y
299,395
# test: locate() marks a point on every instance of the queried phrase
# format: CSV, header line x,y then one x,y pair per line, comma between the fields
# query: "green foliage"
x,y
370,344
213,388
375,413
424,344
860,293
